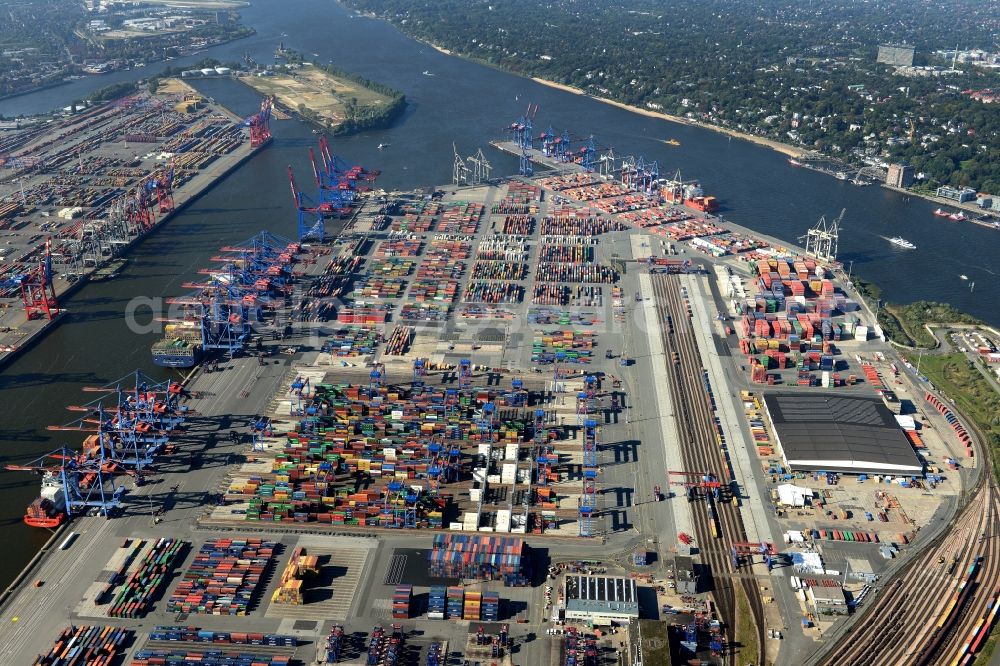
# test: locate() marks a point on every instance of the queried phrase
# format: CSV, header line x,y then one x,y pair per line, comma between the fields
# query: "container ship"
x,y
688,194
180,346
49,509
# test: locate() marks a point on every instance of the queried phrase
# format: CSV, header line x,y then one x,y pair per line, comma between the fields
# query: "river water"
x,y
456,102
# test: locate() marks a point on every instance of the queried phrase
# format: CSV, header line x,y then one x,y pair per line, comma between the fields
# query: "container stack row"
x,y
456,602
563,346
223,577
353,341
845,535
461,218
181,657
436,602
472,609
953,421
490,607
131,549
85,646
402,600
196,635
479,558
135,595
367,314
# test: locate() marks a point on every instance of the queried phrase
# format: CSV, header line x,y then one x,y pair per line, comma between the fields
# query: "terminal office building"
x,y
848,435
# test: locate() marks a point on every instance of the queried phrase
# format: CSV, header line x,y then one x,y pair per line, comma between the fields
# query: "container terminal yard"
x,y
537,419
76,193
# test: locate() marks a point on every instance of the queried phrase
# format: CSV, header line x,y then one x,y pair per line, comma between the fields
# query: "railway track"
x,y
926,615
718,524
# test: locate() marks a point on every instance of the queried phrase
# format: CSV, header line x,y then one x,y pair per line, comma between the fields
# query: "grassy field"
x,y
974,397
746,631
316,93
904,324
914,316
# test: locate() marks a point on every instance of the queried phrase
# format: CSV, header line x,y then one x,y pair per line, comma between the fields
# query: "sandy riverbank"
x,y
784,148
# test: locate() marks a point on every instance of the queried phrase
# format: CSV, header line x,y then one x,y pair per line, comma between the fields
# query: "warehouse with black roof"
x,y
834,433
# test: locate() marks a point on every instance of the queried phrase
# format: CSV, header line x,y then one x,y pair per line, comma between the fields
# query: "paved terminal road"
x,y
33,617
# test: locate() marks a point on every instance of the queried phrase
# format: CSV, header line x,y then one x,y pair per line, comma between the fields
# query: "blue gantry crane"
x,y
309,215
72,484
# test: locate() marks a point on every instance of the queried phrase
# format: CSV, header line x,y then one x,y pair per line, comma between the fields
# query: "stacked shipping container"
x,y
436,602
402,598
398,438
479,558
85,646
223,577
135,595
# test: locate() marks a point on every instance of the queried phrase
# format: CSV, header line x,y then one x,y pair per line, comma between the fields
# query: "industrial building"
x,y
899,175
601,599
828,600
844,434
685,577
899,55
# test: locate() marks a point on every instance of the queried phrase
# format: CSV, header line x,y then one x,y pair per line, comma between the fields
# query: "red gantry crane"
x,y
37,292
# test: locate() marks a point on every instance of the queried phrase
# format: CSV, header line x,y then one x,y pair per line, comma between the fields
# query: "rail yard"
x,y
519,420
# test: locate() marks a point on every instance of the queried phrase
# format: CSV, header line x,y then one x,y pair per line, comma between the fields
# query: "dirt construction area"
x,y
318,91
